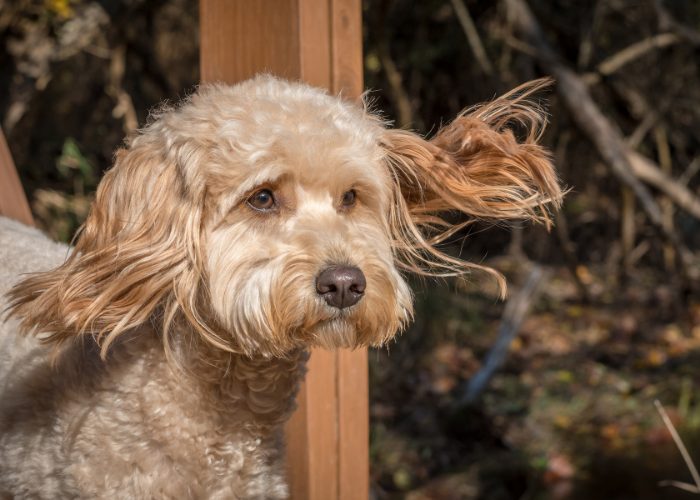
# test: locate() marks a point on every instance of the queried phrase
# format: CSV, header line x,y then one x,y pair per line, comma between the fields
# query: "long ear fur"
x,y
138,253
474,165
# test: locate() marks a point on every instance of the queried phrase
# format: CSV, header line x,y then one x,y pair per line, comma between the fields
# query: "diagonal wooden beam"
x,y
13,202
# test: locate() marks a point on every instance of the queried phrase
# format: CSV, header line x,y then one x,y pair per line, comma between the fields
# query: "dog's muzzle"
x,y
341,286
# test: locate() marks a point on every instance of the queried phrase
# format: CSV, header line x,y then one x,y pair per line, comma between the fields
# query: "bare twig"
x,y
693,488
404,110
561,226
628,229
625,56
668,22
690,171
515,247
465,19
650,173
520,46
562,232
124,108
636,137
667,209
585,51
513,316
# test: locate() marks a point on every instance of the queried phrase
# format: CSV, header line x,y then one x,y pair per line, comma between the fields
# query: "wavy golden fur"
x,y
175,264
476,166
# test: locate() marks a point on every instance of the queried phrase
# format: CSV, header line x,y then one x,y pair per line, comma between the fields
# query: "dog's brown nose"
x,y
341,286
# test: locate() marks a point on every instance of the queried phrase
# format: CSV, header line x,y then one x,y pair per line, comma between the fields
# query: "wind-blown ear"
x,y
139,250
474,165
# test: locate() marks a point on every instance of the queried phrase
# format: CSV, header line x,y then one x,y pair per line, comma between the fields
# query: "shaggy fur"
x,y
173,337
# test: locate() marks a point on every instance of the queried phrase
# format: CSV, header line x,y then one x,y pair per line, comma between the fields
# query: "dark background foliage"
x,y
616,323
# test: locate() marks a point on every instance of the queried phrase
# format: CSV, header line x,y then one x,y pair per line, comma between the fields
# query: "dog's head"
x,y
269,215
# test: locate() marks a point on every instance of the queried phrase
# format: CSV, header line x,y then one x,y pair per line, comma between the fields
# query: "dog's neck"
x,y
212,425
259,389
253,394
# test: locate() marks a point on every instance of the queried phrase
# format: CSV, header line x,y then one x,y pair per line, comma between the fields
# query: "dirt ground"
x,y
570,414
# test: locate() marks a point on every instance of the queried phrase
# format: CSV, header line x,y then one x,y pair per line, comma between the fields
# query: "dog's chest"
x,y
141,432
221,438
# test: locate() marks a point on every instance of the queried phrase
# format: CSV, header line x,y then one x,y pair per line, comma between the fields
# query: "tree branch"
x,y
650,173
465,19
585,113
513,316
668,22
625,56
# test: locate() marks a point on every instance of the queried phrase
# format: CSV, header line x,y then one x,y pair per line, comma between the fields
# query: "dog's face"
x,y
269,215
298,239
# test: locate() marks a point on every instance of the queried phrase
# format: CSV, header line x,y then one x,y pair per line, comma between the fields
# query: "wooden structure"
x,y
13,203
320,42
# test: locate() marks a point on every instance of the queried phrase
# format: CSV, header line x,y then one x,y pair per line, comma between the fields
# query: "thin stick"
x,y
667,22
465,19
561,227
513,316
666,164
684,453
636,137
628,229
651,173
616,61
690,171
402,101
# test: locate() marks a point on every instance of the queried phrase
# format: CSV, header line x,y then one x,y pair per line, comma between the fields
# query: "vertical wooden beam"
x,y
346,26
239,39
352,375
320,42
13,202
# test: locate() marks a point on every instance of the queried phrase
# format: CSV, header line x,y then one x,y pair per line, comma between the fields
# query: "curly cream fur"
x,y
173,336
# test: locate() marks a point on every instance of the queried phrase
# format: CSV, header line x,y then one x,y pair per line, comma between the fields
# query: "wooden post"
x,y
13,202
319,42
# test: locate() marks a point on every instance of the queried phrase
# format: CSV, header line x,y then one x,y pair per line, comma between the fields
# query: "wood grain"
x,y
353,425
346,40
13,202
239,39
352,376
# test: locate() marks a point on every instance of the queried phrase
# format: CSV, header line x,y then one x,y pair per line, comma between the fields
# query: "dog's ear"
x,y
475,165
139,252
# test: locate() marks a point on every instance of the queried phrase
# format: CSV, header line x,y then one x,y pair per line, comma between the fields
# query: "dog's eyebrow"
x,y
271,175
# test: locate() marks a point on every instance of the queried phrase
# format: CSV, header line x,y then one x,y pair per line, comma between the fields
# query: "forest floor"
x,y
571,412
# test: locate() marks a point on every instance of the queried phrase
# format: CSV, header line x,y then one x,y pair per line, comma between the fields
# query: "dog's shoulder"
x,y
24,249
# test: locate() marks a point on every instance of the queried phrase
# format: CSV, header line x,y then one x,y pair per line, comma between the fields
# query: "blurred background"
x,y
547,395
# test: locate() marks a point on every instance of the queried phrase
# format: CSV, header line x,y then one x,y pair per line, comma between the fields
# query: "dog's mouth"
x,y
334,329
333,321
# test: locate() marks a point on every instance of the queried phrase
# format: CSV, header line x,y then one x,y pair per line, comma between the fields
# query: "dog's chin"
x,y
334,333
349,328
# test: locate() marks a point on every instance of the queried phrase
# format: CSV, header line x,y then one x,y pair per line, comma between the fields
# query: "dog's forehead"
x,y
275,127
308,119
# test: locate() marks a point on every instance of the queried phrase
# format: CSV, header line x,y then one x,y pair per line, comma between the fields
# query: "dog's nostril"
x,y
341,286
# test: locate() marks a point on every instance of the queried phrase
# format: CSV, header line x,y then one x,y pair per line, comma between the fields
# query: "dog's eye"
x,y
349,198
262,200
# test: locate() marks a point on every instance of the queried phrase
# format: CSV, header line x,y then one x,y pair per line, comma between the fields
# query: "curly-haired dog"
x,y
234,231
